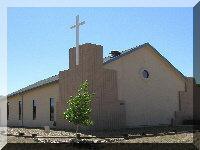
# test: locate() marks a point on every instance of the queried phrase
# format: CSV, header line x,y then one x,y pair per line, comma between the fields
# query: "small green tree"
x,y
79,107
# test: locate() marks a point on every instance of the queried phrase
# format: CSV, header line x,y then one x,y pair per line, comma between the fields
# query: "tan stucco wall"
x,y
186,103
152,101
42,97
107,113
13,111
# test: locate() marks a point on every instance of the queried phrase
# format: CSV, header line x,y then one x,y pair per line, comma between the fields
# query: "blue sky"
x,y
39,38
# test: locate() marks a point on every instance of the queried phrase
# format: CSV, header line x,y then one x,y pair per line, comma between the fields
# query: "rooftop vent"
x,y
115,53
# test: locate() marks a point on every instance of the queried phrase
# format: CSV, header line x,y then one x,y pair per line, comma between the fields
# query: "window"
x,y
8,111
34,110
52,109
145,74
20,110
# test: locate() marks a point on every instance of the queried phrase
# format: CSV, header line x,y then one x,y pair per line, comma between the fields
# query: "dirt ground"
x,y
183,134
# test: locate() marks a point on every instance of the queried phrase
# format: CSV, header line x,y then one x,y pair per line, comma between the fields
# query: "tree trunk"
x,y
76,132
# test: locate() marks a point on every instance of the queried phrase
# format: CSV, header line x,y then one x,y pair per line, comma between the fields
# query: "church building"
x,y
135,87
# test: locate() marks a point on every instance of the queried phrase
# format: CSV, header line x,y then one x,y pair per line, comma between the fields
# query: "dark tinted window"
x,y
52,109
8,111
34,110
20,110
145,74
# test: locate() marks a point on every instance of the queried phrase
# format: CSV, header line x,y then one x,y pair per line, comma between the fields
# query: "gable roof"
x,y
106,60
126,52
36,85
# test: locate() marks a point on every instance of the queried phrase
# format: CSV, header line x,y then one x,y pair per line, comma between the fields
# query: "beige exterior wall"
x,y
150,101
107,113
13,111
186,103
42,97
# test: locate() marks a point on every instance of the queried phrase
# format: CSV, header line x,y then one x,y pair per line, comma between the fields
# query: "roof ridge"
x,y
109,59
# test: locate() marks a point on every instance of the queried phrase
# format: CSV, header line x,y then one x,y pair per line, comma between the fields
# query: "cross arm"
x,y
83,22
72,26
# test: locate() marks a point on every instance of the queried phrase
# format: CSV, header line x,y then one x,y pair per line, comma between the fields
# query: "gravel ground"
x,y
177,138
39,132
13,139
137,135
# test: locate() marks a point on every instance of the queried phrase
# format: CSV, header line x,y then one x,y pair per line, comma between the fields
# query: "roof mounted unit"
x,y
115,53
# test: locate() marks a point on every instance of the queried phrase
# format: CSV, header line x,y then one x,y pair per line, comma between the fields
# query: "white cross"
x,y
77,37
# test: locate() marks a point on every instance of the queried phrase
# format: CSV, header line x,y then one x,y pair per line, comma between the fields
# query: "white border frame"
x,y
4,4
